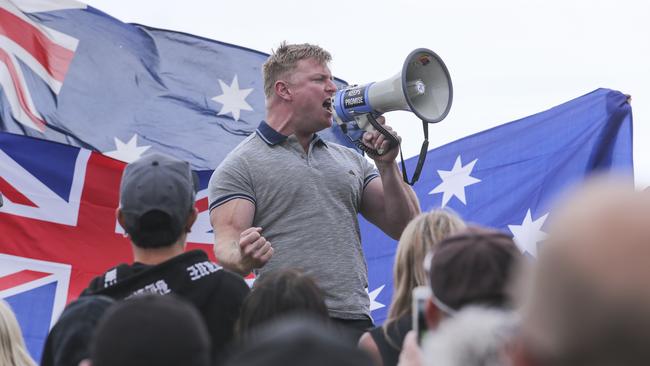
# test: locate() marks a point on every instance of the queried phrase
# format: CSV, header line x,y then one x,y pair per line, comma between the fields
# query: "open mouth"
x,y
327,104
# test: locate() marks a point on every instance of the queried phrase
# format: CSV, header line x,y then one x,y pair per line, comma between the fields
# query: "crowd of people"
x,y
583,301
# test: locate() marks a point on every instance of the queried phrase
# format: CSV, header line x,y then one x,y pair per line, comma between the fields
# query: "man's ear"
x,y
433,315
191,219
282,89
120,217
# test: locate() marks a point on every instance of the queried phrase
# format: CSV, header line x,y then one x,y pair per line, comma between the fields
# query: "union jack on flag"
x,y
59,229
36,290
45,51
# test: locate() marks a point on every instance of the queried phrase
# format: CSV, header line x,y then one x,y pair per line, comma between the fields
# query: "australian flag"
x,y
73,75
508,177
59,229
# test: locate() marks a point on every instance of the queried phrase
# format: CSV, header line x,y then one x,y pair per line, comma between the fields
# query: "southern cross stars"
x,y
455,180
233,99
529,233
127,152
374,304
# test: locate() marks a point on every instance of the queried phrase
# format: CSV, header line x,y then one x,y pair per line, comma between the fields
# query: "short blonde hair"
x,y
12,346
285,58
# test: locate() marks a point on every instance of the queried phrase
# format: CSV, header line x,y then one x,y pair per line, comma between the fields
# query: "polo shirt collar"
x,y
269,135
273,137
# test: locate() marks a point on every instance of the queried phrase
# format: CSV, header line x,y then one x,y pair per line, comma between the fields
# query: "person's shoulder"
x,y
246,151
244,147
95,285
109,278
199,266
233,282
251,143
227,286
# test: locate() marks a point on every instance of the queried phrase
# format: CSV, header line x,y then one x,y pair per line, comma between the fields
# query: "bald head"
x,y
589,302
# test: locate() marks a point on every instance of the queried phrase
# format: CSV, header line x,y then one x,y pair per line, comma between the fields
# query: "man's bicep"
x,y
228,221
372,203
233,216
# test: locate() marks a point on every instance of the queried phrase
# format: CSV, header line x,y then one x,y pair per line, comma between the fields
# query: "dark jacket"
x,y
217,293
391,346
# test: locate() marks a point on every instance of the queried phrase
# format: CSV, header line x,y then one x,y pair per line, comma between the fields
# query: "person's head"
x,y
280,293
69,340
588,300
420,236
150,330
472,267
297,80
292,340
12,346
475,336
157,201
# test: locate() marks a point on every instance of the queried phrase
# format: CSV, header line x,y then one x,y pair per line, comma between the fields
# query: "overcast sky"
x,y
508,59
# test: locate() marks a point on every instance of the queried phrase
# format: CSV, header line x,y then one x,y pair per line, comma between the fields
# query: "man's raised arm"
x,y
388,202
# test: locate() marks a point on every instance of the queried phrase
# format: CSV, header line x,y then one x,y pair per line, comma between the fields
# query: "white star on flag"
x,y
127,152
455,180
374,304
233,99
529,233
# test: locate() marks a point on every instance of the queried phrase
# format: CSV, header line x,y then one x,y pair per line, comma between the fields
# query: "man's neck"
x,y
153,256
283,122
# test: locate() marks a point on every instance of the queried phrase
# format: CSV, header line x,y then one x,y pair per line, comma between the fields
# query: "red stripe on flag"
x,y
6,59
202,204
13,194
20,278
54,58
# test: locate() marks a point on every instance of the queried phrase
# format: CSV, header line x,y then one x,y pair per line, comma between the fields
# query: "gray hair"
x,y
475,336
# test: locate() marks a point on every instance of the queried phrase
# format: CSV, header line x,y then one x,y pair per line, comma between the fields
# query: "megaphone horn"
x,y
422,87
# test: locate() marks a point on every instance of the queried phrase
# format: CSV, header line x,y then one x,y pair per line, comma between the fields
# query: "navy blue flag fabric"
x,y
508,177
72,74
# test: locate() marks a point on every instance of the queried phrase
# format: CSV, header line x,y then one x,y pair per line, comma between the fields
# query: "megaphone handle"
x,y
374,125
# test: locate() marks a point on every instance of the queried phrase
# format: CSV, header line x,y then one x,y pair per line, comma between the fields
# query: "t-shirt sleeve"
x,y
229,181
369,171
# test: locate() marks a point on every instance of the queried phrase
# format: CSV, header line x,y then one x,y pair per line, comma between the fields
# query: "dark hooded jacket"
x,y
217,293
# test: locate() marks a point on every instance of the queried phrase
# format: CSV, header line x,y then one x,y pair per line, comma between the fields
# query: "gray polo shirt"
x,y
307,206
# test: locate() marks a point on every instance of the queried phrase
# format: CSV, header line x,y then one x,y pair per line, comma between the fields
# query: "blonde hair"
x,y
419,237
12,345
285,58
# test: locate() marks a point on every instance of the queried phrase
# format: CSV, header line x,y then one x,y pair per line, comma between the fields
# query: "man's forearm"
x,y
228,254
